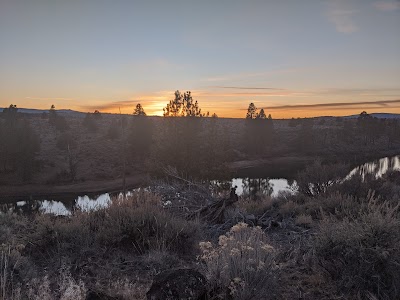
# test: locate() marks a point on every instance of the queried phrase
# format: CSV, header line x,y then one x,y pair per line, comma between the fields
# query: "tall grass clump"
x,y
361,253
142,224
241,266
137,224
67,288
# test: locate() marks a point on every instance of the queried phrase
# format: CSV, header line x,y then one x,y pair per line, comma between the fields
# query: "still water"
x,y
244,186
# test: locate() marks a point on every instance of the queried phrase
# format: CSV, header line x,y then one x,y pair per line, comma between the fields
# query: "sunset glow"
x,y
290,60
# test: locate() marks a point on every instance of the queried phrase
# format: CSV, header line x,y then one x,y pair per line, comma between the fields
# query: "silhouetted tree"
x,y
97,114
139,111
261,114
251,111
182,106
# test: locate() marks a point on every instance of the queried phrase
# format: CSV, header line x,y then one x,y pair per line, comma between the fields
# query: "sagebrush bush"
x,y
137,223
67,288
144,227
330,204
258,207
241,266
361,253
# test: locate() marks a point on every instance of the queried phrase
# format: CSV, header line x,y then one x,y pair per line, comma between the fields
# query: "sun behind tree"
x,y
183,106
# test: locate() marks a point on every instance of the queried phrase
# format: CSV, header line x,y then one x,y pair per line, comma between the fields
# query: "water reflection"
x,y
61,207
244,186
254,187
378,167
247,187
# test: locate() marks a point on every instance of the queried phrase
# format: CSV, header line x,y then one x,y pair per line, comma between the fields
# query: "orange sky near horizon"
x,y
153,106
296,59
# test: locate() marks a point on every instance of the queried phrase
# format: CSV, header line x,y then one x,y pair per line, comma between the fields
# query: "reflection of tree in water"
x,y
29,207
253,188
220,187
70,204
378,167
25,208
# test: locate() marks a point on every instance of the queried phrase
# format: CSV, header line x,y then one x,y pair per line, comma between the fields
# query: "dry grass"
x,y
258,207
109,239
361,253
304,220
351,249
242,265
138,224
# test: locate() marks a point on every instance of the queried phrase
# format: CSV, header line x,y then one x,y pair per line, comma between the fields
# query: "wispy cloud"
x,y
48,98
387,5
342,16
336,105
247,75
245,88
115,105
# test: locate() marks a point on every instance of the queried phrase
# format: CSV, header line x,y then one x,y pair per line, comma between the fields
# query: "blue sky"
x,y
281,55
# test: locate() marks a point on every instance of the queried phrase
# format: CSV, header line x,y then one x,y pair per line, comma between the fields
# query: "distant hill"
x,y
78,113
40,111
378,116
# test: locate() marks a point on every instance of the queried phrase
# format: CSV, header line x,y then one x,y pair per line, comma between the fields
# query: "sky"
x,y
292,58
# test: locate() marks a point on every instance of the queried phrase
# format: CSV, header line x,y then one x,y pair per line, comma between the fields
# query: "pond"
x,y
244,186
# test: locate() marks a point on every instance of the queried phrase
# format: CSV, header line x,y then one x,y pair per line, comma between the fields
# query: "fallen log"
x,y
215,211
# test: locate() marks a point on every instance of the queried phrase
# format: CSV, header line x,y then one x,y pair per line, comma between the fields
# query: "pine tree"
x,y
182,106
174,107
251,111
139,111
261,114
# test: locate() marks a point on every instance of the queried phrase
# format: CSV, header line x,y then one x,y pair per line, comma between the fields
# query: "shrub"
x,y
137,223
242,265
361,253
67,288
304,220
256,207
315,207
144,227
315,179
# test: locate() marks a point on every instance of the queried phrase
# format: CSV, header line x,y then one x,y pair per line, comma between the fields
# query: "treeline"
x,y
195,143
344,135
18,145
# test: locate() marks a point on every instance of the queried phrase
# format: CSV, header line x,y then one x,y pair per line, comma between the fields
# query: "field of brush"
x,y
333,239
